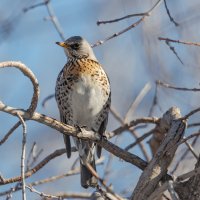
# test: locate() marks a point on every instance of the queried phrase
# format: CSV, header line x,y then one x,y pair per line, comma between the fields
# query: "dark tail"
x,y
87,179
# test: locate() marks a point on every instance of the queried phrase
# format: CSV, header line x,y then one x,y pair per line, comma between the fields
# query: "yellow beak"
x,y
62,44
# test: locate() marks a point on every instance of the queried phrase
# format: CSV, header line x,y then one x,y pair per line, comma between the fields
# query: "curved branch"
x,y
27,72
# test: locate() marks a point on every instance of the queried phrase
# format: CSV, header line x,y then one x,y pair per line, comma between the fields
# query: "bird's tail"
x,y
87,179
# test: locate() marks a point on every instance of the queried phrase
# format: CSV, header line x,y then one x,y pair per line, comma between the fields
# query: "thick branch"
x,y
157,168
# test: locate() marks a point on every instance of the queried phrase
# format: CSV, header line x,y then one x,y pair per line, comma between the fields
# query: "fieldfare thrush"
x,y
83,96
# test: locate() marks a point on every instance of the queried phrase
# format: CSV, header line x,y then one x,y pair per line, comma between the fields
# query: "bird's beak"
x,y
62,44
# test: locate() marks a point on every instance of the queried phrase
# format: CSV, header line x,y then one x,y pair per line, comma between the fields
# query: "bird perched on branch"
x,y
83,96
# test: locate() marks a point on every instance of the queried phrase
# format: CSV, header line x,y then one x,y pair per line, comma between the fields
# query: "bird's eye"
x,y
75,46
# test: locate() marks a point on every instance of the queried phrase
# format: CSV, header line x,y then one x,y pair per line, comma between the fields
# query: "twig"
x,y
169,15
44,102
139,139
172,192
23,156
128,28
151,120
191,113
94,173
132,131
160,83
188,175
191,150
41,194
174,51
148,13
54,19
184,154
34,6
137,101
34,169
179,41
10,132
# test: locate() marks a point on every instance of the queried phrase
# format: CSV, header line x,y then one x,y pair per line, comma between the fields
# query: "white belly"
x,y
87,101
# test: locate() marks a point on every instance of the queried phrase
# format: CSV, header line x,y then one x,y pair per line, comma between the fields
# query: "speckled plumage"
x,y
83,97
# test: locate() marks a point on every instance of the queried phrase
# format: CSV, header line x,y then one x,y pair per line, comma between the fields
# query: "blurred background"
x,y
132,60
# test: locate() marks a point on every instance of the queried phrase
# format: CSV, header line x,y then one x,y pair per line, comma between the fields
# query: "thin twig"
x,y
166,85
46,99
191,150
148,13
94,173
169,15
171,190
137,101
54,19
34,169
179,41
187,175
10,132
184,154
191,113
174,51
100,42
23,156
144,136
34,6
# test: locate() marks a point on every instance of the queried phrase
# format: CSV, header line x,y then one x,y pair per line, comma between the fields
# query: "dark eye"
x,y
75,46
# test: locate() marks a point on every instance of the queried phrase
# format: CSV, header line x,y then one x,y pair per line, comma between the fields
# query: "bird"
x,y
83,96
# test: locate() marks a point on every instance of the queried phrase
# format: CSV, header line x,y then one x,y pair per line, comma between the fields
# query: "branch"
x,y
128,28
157,168
148,13
160,83
179,41
169,15
34,169
23,156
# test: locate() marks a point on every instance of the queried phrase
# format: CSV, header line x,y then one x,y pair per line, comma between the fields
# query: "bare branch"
x,y
35,169
169,15
10,132
137,101
157,168
179,41
54,19
23,156
166,85
148,13
128,28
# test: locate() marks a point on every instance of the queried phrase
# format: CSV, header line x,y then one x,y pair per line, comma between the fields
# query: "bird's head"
x,y
77,47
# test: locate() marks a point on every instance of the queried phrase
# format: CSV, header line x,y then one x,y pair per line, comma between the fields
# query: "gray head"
x,y
77,47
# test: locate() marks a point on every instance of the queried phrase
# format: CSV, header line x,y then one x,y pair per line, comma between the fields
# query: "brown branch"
x,y
180,41
128,28
23,156
34,169
144,136
169,15
166,85
54,19
10,132
148,13
157,168
84,134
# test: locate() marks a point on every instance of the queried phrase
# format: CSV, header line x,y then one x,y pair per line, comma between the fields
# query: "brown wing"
x,y
66,137
62,101
104,124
